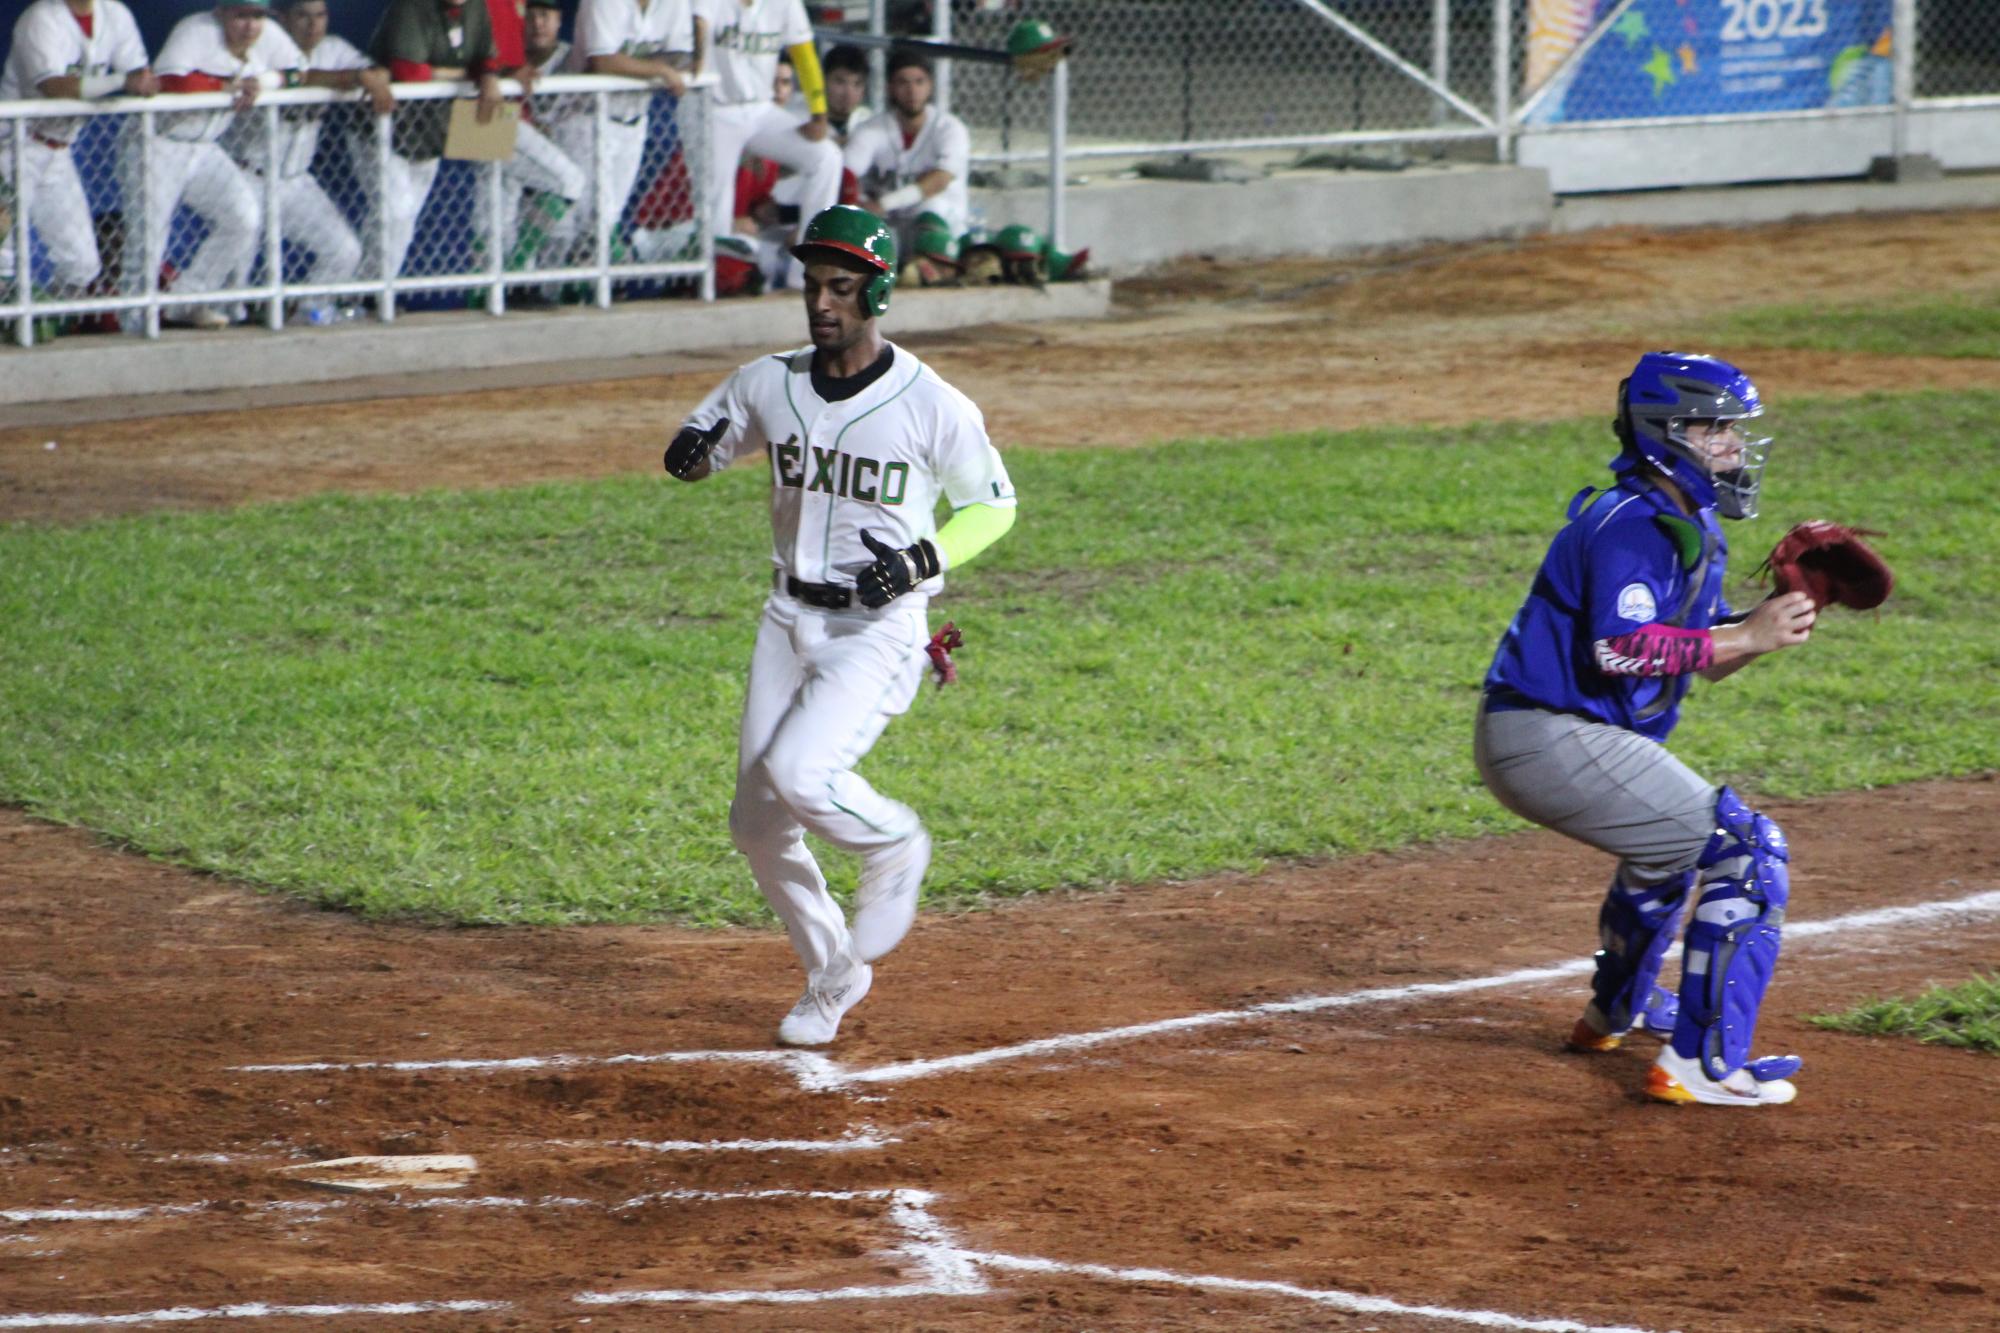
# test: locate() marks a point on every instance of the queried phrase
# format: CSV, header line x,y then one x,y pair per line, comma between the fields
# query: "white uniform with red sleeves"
x,y
649,31
188,165
50,43
883,159
824,683
745,38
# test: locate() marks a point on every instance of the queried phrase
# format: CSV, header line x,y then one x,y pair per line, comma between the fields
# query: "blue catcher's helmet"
x,y
1665,392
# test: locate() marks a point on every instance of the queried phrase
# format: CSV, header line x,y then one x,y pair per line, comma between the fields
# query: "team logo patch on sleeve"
x,y
1635,602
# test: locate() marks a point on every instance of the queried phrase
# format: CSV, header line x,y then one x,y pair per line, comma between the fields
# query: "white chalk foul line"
x,y
816,1073
863,1141
1338,1300
141,1212
949,1269
946,1269
1977,905
188,1314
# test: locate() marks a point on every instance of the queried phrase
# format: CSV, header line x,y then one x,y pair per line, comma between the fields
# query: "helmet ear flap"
x,y
875,293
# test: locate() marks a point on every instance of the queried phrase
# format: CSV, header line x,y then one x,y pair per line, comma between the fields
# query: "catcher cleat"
x,y
1680,1081
885,902
816,1017
1656,1020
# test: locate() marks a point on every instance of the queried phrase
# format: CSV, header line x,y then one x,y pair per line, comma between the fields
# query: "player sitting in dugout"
x,y
912,164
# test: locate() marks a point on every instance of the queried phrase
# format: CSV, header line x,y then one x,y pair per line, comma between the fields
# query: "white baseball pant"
x,y
309,218
624,154
823,685
538,164
204,178
58,210
772,132
396,216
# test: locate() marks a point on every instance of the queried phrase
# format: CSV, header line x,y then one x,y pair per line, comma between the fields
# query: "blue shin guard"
x,y
1732,942
1635,928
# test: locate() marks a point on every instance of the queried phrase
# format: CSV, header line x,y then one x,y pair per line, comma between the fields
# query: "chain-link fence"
x,y
1158,75
1958,48
308,207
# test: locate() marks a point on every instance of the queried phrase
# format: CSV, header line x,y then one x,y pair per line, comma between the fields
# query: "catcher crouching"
x,y
1586,686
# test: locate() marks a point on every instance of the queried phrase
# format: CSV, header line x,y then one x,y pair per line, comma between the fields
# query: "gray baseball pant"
x,y
1611,788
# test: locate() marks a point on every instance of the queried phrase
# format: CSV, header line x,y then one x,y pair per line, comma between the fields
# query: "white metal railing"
x,y
600,263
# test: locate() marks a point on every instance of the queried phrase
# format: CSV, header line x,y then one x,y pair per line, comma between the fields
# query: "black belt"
x,y
829,596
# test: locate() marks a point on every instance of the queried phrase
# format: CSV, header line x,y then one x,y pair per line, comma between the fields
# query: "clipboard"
x,y
466,140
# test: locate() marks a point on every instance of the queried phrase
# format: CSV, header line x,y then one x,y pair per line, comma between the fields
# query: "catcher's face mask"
x,y
1735,462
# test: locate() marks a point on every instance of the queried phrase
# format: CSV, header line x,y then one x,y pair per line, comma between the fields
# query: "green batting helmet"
x,y
1019,241
1032,35
857,232
933,239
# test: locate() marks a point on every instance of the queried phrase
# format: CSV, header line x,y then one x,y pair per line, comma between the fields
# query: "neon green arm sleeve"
x,y
971,530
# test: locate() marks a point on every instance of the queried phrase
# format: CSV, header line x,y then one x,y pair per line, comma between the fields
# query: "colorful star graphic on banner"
x,y
1633,28
1686,53
1661,67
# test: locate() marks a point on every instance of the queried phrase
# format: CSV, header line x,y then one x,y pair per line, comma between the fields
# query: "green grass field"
x,y
1954,326
1966,1016
521,705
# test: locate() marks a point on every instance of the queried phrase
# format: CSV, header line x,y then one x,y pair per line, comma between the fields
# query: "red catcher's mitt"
x,y
1830,564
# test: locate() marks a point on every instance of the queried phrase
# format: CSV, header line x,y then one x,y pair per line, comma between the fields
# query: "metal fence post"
x,y
24,255
1503,80
878,58
274,240
600,191
385,309
1058,148
1441,57
149,281
941,32
496,237
1903,38
704,216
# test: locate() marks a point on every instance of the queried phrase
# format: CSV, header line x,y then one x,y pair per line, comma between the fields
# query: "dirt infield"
x,y
1344,1106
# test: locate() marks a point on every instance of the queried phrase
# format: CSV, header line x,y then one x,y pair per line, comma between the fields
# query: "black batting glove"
x,y
689,451
895,571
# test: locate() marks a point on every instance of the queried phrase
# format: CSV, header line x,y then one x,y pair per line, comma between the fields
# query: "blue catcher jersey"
x,y
1628,557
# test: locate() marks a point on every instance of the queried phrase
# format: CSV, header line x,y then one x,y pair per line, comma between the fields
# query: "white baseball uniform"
x,y
745,38
307,215
648,30
188,165
824,683
539,164
49,43
883,159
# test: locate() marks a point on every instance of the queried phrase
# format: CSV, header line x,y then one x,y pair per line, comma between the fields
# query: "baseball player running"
x,y
913,162
1582,694
748,35
862,439
66,49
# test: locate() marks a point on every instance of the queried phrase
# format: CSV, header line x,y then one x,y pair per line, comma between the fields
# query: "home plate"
x,y
434,1171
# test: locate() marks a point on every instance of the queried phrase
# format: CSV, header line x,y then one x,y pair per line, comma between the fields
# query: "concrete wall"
x,y
1131,225
185,361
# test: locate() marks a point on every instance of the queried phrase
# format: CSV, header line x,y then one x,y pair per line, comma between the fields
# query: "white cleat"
x,y
816,1017
885,903
1674,1078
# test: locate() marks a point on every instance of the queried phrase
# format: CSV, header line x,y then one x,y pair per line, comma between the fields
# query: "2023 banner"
x,y
1708,57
